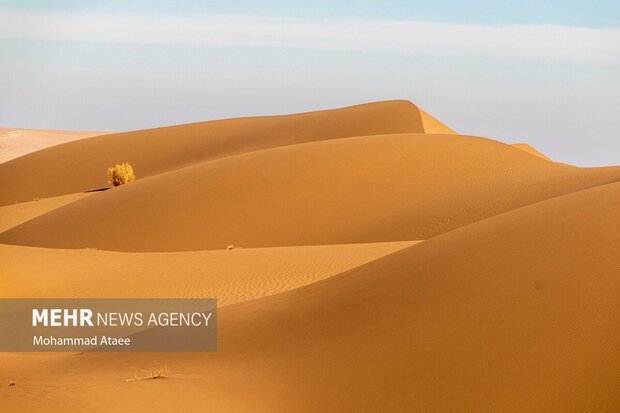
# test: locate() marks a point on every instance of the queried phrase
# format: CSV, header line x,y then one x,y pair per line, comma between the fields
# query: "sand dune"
x,y
13,215
19,142
510,304
518,317
159,150
529,149
232,276
432,125
365,189
519,312
507,314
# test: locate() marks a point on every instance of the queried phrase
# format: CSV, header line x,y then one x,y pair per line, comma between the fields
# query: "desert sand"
x,y
381,262
18,142
529,149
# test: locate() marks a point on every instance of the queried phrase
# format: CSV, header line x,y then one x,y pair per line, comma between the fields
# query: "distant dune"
x,y
155,151
529,149
365,259
19,142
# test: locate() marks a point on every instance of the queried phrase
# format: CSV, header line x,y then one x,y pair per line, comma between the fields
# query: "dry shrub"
x,y
121,174
156,372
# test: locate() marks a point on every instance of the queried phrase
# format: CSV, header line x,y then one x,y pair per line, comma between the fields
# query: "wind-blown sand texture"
x,y
329,301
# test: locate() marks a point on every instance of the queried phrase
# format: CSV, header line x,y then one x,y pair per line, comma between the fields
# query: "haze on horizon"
x,y
545,74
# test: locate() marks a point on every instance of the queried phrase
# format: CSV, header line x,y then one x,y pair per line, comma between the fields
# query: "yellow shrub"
x,y
120,174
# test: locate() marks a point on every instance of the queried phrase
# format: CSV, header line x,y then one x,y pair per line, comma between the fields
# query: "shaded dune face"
x,y
364,189
524,303
81,165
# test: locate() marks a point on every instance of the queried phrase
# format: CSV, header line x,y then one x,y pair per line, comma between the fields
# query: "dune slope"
x,y
529,149
13,215
231,276
326,301
43,174
519,312
507,314
366,189
432,125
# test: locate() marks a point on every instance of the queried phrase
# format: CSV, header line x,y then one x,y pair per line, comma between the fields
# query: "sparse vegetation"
x,y
121,174
157,372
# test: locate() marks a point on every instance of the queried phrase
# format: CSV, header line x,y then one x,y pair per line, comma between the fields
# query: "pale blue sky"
x,y
546,73
594,13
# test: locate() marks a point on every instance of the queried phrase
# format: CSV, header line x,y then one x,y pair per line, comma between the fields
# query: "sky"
x,y
542,72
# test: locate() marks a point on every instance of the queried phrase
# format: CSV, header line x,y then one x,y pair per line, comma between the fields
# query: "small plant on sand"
x,y
157,372
121,174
